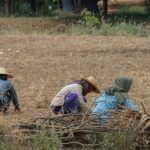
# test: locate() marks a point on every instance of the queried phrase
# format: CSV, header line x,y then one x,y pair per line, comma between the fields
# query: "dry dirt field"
x,y
43,63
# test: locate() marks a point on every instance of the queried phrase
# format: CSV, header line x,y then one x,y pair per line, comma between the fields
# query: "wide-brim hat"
x,y
91,80
4,72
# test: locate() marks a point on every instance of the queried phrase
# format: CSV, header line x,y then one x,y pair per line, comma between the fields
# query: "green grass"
x,y
45,141
129,21
134,14
120,29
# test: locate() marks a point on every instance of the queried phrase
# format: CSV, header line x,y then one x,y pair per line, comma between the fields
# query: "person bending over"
x,y
113,97
72,98
7,92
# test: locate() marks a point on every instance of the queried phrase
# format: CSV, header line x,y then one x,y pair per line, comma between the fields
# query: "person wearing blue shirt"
x,y
113,96
7,92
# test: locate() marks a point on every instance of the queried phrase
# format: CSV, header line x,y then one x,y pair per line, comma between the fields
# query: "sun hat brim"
x,y
4,72
10,76
95,85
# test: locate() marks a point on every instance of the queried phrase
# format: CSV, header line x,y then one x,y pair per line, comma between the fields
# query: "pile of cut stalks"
x,y
85,129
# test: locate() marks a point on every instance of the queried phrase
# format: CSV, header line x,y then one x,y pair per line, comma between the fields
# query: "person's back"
x,y
71,88
4,85
7,91
72,96
4,91
113,96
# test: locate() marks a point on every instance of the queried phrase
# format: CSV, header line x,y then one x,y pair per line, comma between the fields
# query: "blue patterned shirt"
x,y
107,102
8,93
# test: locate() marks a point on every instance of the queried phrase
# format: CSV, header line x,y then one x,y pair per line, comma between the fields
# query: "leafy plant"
x,y
45,141
21,9
90,20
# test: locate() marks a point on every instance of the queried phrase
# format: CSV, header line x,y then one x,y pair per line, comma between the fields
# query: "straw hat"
x,y
4,72
93,82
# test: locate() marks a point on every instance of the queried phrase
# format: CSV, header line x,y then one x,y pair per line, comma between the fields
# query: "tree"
x,y
33,5
2,3
10,4
105,8
147,4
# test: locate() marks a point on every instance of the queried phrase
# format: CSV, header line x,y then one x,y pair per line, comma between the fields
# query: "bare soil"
x,y
42,64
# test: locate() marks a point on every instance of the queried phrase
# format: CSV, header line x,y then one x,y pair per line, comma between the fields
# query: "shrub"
x,y
118,141
45,141
22,9
88,19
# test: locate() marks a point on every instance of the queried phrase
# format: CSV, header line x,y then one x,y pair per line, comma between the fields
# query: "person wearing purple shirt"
x,y
71,98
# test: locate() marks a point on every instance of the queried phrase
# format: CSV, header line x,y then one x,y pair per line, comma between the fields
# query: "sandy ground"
x,y
42,64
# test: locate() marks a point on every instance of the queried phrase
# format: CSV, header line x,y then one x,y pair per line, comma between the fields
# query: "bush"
x,y
22,9
45,141
44,11
89,20
118,141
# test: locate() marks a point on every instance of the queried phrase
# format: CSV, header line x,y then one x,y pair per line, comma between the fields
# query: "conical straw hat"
x,y
93,82
4,72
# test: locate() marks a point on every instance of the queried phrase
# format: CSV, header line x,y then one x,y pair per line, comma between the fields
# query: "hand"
x,y
56,115
60,114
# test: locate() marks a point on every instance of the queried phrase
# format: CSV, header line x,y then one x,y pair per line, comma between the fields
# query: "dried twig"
x,y
70,125
144,110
